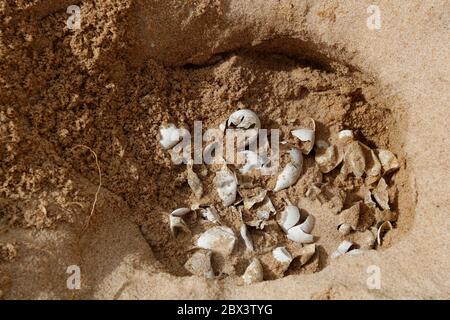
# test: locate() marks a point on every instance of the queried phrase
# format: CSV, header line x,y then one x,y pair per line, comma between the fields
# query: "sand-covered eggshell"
x,y
218,239
226,185
199,264
254,272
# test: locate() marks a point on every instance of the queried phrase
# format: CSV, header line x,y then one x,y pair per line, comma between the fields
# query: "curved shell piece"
x,y
306,135
177,223
180,212
308,225
218,239
342,248
291,172
388,160
169,136
254,272
226,184
246,237
210,214
289,217
199,264
327,156
345,136
355,252
381,194
354,159
387,225
194,182
281,255
297,234
373,165
344,229
244,119
250,202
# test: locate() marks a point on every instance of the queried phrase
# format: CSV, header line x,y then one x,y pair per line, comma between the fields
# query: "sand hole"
x,y
283,89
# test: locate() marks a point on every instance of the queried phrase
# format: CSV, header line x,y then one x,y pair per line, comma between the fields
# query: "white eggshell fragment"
x,y
180,212
308,225
342,248
169,136
218,239
281,255
306,136
210,214
354,159
297,234
226,184
244,119
289,217
388,160
384,226
250,202
199,264
345,135
177,223
246,237
291,172
327,156
381,195
254,272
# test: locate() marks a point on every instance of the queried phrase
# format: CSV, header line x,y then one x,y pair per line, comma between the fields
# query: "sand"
x,y
134,65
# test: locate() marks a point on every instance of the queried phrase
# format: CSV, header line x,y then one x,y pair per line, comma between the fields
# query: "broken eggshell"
x,y
177,223
289,217
199,264
342,248
387,225
291,172
306,136
250,202
308,225
345,136
254,272
244,119
297,234
180,212
281,255
218,239
210,214
327,156
169,136
246,237
354,159
388,160
226,184
381,194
